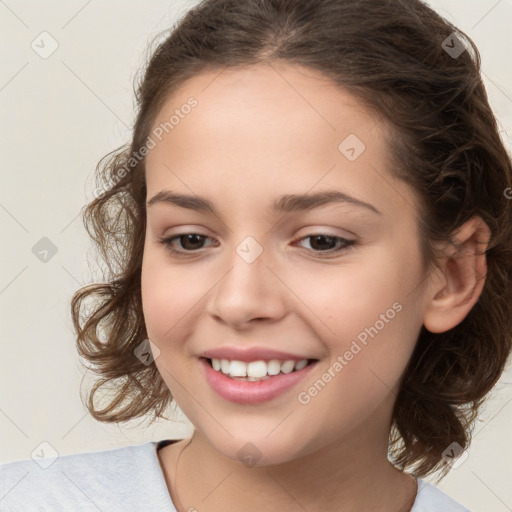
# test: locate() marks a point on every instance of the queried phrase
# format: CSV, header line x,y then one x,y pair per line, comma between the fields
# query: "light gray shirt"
x,y
127,479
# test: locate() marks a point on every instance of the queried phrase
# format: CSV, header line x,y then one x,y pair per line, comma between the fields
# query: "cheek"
x,y
368,314
375,326
169,294
170,302
348,299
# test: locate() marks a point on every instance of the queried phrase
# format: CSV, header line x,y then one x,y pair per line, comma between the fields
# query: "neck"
x,y
336,477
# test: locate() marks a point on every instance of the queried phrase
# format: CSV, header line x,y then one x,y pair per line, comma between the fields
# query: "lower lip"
x,y
245,392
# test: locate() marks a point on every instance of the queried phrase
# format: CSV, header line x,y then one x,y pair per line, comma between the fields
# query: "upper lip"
x,y
250,354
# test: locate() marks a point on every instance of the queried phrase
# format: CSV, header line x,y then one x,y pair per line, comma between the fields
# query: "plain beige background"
x,y
60,115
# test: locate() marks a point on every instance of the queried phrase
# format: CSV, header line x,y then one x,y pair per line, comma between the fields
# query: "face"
x,y
339,283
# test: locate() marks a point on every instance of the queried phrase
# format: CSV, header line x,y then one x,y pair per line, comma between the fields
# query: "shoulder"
x,y
114,479
432,499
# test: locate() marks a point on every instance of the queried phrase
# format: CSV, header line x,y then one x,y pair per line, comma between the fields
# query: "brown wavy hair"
x,y
445,143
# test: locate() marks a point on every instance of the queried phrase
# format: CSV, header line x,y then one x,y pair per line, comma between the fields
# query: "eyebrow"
x,y
283,204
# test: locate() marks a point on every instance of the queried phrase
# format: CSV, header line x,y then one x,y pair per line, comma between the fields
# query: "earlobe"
x,y
463,271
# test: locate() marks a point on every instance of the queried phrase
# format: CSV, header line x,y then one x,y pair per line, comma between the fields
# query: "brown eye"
x,y
191,241
323,243
188,243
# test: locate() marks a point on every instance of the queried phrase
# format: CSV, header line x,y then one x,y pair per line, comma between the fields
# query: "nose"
x,y
249,292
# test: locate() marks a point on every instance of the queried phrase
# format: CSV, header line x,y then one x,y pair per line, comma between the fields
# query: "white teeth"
x,y
273,367
301,364
238,369
288,366
256,370
224,366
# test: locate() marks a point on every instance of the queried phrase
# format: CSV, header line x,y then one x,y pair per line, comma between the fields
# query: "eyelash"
x,y
346,244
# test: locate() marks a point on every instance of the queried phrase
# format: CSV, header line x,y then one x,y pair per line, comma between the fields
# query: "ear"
x,y
462,276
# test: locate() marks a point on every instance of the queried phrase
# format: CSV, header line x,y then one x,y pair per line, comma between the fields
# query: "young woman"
x,y
310,250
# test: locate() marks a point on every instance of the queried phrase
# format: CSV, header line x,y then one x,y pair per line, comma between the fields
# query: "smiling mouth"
x,y
257,370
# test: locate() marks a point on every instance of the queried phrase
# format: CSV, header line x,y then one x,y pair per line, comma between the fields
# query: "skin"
x,y
257,133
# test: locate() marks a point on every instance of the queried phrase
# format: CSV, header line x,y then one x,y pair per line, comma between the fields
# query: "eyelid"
x,y
318,230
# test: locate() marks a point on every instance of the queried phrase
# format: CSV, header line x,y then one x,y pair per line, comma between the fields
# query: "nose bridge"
x,y
249,289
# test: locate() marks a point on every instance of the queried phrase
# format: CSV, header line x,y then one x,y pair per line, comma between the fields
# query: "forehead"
x,y
266,127
281,101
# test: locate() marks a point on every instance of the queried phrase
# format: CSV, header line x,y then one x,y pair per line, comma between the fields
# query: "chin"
x,y
258,450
